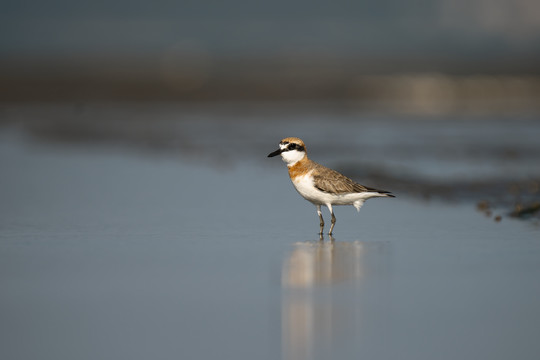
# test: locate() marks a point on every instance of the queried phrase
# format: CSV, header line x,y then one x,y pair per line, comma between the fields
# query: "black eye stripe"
x,y
293,146
288,146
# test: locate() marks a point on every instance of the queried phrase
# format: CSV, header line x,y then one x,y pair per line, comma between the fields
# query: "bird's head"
x,y
291,149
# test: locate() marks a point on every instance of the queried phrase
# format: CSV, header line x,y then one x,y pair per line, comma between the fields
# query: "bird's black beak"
x,y
275,153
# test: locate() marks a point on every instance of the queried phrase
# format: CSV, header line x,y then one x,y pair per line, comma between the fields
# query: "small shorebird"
x,y
319,184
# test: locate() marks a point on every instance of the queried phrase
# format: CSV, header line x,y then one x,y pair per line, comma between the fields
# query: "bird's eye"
x,y
292,146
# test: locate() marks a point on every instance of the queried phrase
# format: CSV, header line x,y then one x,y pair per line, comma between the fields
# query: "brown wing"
x,y
332,182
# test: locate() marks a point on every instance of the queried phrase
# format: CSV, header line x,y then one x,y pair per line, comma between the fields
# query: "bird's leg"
x,y
320,218
333,223
333,219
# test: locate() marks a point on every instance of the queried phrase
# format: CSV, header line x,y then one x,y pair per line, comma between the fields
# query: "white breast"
x,y
304,186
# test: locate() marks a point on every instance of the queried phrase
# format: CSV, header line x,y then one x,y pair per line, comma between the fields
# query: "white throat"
x,y
291,157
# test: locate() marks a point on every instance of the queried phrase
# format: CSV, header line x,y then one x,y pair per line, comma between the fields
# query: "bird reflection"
x,y
317,263
310,319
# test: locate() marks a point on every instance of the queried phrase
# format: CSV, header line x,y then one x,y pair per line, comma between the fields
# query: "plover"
x,y
321,185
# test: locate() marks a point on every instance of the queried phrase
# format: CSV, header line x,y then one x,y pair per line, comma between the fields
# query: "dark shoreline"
x,y
412,86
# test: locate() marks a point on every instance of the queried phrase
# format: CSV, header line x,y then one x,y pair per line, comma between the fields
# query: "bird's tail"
x,y
372,193
386,193
381,192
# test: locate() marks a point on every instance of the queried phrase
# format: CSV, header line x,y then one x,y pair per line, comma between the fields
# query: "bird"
x,y
321,185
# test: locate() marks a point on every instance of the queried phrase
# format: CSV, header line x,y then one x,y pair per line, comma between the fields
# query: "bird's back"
x,y
331,181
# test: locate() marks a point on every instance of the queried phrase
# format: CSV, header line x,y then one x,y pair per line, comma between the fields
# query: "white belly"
x,y
305,187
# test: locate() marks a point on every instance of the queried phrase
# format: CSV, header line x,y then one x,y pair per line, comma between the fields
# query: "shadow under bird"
x,y
321,185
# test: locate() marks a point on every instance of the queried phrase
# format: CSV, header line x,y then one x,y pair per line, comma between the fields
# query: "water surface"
x,y
107,252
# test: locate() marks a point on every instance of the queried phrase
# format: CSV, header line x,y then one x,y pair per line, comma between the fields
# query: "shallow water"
x,y
110,253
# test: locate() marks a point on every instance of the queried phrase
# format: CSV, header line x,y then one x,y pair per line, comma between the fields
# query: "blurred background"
x,y
141,219
426,57
419,89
